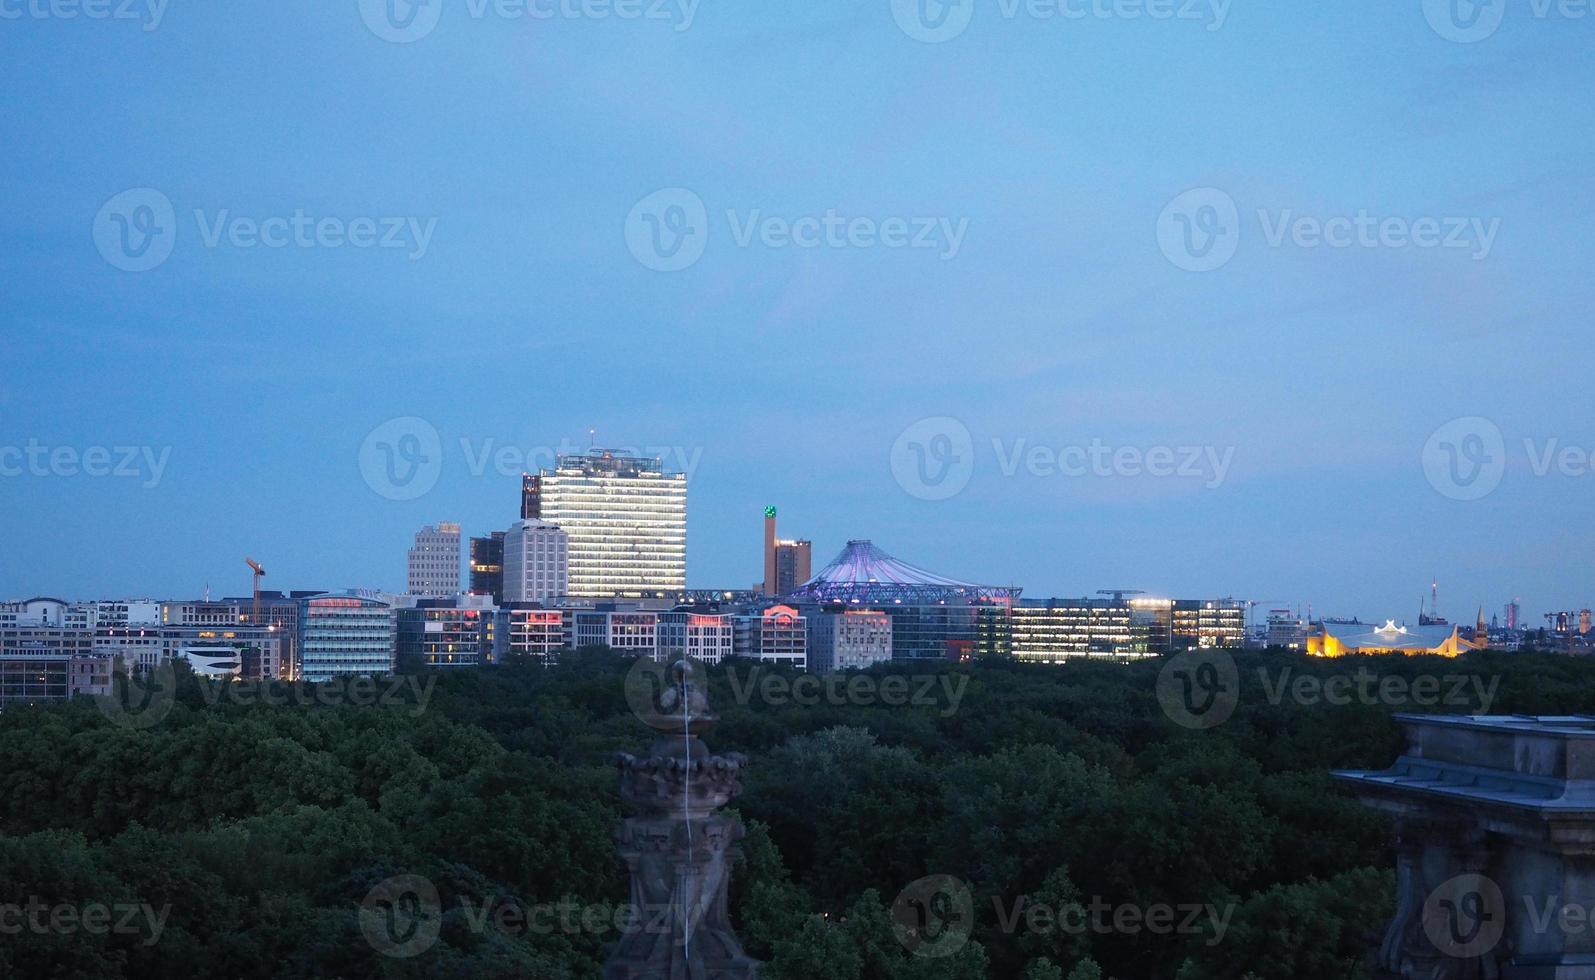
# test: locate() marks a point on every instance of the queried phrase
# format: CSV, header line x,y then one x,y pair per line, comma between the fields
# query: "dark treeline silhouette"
x,y
258,824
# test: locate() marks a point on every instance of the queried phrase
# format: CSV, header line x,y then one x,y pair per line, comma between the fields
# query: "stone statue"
x,y
679,849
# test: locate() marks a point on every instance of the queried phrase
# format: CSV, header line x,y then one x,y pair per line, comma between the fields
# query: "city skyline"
x,y
1083,281
1306,607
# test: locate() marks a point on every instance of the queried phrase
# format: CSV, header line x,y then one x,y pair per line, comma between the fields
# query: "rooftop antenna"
x,y
592,437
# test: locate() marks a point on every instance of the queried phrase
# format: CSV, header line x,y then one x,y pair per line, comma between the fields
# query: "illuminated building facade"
x,y
1205,623
345,633
255,652
1052,630
933,617
434,561
776,635
1346,639
631,632
625,516
457,631
529,630
708,637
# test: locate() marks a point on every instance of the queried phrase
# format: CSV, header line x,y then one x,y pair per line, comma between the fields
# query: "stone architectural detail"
x,y
1495,848
679,849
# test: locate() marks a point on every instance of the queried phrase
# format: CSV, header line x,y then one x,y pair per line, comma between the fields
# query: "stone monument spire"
x,y
679,849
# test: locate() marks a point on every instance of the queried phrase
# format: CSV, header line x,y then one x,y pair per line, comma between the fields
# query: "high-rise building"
x,y
434,566
487,566
345,633
625,516
536,562
787,564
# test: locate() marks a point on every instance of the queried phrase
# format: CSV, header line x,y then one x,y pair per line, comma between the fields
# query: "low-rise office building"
x,y
841,638
530,630
707,637
457,631
1052,630
776,635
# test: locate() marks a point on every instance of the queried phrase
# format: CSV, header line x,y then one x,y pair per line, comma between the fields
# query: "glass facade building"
x,y
626,519
487,566
1057,629
453,632
348,633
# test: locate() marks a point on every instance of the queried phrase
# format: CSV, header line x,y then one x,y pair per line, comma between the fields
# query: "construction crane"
x,y
258,574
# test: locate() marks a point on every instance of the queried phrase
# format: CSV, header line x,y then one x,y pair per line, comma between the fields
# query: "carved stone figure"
x,y
679,849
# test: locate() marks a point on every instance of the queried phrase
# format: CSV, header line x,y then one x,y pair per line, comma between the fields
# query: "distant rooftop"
x,y
865,573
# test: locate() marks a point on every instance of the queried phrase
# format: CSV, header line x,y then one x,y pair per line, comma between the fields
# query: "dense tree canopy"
x,y
243,834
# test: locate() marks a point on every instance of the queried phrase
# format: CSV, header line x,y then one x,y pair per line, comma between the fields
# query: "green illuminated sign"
x,y
769,512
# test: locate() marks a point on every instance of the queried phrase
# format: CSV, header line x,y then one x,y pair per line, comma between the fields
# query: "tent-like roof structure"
x,y
1337,639
863,573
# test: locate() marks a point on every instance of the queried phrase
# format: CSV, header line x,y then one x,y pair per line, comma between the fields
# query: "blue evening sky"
x,y
1325,376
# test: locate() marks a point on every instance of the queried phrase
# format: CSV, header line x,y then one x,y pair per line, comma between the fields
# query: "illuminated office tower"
x,y
626,519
